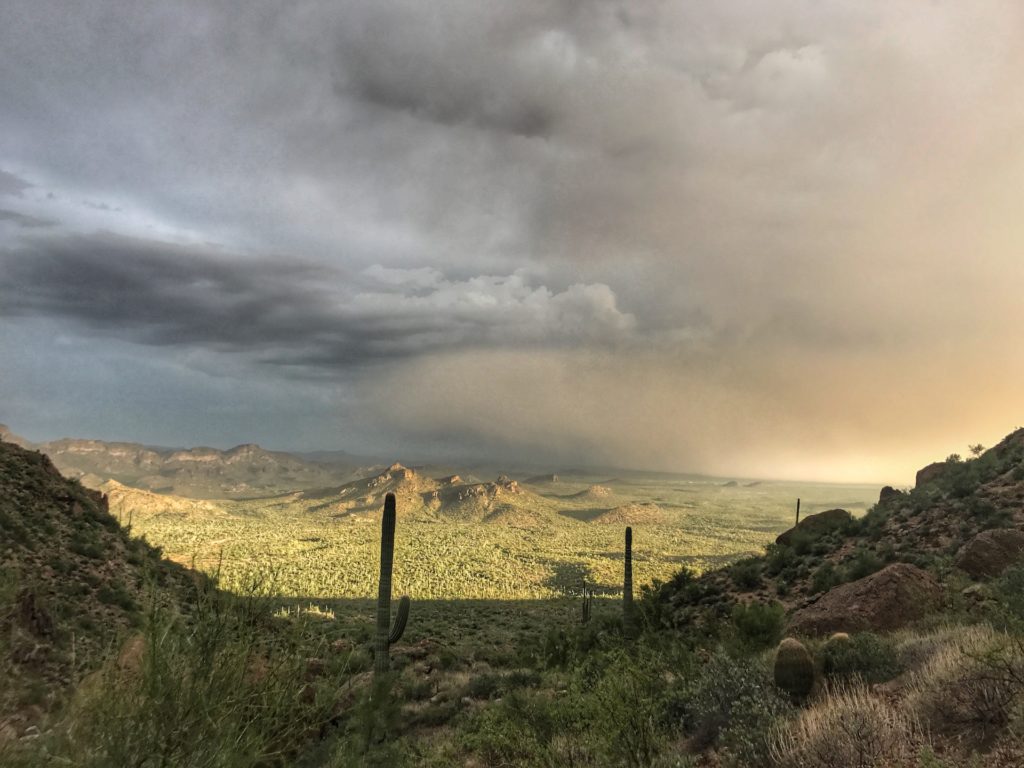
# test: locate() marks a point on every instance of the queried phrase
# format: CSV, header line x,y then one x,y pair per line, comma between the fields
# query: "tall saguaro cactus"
x,y
627,583
798,511
386,634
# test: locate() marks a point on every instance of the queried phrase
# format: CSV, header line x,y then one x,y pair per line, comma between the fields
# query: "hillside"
x,y
244,471
71,582
929,527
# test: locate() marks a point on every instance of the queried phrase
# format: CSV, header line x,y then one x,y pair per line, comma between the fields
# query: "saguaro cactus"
x,y
627,583
588,601
798,511
386,634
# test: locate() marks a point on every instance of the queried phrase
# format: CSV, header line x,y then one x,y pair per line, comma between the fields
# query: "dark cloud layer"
x,y
789,227
24,220
289,312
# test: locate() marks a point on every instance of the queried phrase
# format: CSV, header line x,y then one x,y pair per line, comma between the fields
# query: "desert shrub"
x,y
1008,607
729,703
758,625
825,578
519,730
746,574
848,729
865,656
484,686
863,563
972,685
627,711
778,558
802,543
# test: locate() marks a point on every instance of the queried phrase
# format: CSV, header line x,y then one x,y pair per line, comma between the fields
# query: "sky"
x,y
743,238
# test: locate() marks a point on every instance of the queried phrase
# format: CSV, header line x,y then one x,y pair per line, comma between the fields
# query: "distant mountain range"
x,y
240,472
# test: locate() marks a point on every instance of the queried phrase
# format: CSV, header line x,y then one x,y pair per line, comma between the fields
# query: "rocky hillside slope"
x,y
832,571
72,582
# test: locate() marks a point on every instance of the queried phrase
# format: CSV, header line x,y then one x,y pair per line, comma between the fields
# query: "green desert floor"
x,y
541,551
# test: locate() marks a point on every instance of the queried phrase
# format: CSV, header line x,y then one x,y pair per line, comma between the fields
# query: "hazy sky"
x,y
770,239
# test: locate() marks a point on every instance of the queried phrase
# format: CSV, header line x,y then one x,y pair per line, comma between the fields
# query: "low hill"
x,y
128,504
594,493
631,514
71,581
366,495
502,501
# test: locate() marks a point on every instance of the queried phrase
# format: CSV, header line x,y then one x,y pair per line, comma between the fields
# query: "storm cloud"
x,y
723,236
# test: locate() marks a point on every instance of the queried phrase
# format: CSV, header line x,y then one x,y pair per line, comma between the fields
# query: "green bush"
x,y
746,574
863,563
758,625
732,704
825,578
865,656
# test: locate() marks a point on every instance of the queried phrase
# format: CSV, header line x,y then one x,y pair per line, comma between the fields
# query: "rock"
x,y
816,525
974,592
315,668
888,493
991,552
889,599
132,653
931,473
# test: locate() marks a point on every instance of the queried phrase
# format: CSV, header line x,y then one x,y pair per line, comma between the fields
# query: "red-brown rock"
x,y
887,600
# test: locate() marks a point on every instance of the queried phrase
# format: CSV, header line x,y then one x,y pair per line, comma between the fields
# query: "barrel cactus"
x,y
794,668
387,634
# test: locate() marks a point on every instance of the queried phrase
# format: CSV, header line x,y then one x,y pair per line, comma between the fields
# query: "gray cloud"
x,y
736,191
11,184
289,312
24,220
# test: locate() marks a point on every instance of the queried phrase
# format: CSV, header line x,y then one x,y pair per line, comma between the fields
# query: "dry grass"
x,y
971,686
851,728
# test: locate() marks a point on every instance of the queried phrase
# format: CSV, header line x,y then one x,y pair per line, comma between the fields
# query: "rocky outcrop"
x,y
991,552
887,600
931,473
816,525
888,493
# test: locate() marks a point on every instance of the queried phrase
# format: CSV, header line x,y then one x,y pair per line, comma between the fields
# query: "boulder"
x,y
991,552
931,473
816,525
887,494
889,599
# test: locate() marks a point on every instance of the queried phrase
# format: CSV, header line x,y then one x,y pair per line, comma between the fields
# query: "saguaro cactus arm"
x,y
401,619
